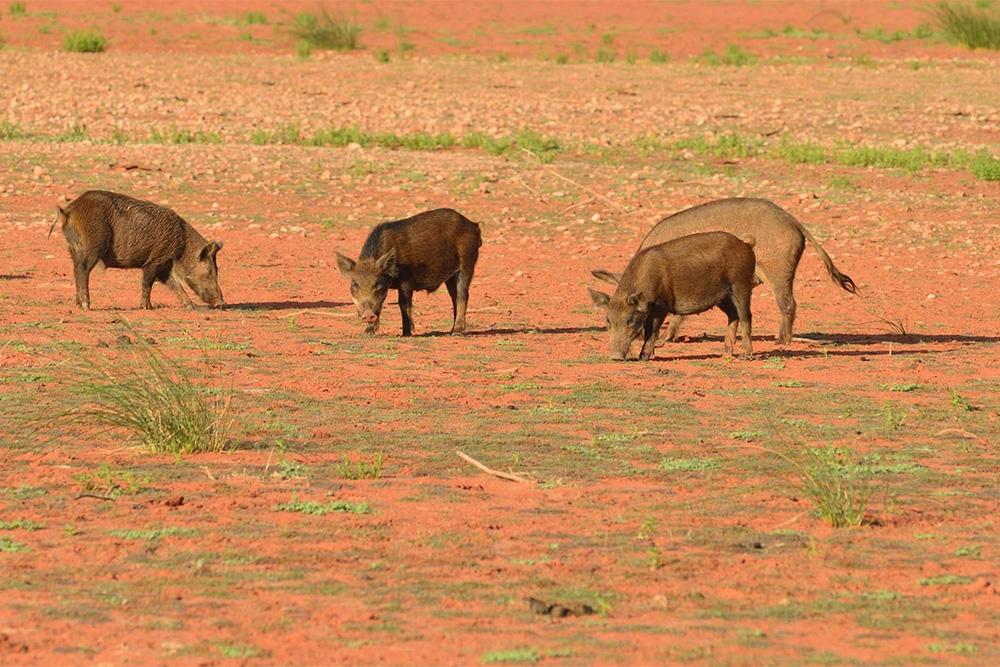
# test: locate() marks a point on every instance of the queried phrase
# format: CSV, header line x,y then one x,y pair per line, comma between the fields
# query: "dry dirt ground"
x,y
666,496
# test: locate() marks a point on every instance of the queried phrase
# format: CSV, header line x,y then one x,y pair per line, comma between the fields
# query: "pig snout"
x,y
369,318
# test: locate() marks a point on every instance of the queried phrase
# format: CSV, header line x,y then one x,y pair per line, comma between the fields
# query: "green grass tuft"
x,y
324,31
732,56
509,656
154,399
974,28
17,9
839,484
360,469
84,41
10,131
319,509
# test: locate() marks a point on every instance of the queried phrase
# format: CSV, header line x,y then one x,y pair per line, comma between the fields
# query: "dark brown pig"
x,y
418,253
780,242
125,233
685,276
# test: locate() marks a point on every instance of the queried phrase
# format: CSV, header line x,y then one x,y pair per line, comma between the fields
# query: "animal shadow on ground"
x,y
286,305
511,332
14,276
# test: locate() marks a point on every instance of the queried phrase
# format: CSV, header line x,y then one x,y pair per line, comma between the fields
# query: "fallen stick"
x,y
490,471
316,312
572,182
577,205
958,432
94,495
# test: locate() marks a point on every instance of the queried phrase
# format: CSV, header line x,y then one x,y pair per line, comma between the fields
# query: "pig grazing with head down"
x,y
418,253
125,233
685,276
780,242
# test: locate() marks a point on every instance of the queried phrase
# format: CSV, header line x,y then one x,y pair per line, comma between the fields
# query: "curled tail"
x,y
61,217
841,279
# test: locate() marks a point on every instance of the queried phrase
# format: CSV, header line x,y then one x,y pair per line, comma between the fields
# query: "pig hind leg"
x,y
741,301
673,328
460,295
729,308
83,264
406,308
786,304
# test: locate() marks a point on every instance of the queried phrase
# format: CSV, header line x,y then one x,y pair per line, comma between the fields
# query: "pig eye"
x,y
354,285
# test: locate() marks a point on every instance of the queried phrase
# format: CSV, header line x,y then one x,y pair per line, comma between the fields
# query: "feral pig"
x,y
418,253
125,233
685,276
780,240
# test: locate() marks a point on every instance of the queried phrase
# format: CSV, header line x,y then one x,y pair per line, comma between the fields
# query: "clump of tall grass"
x,y
84,41
150,398
966,25
838,483
324,31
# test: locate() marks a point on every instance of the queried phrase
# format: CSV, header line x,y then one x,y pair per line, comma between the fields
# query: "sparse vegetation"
x,y
658,57
17,9
255,18
839,483
732,56
10,132
153,399
324,31
360,469
84,41
976,28
319,509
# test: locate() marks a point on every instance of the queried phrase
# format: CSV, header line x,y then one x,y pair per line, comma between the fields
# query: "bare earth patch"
x,y
340,526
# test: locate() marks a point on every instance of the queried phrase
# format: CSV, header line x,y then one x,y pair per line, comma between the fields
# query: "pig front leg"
x,y
406,307
650,330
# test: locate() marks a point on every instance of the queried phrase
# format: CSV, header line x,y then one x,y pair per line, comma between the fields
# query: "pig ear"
x,y
635,300
387,263
606,276
345,264
210,250
600,299
62,211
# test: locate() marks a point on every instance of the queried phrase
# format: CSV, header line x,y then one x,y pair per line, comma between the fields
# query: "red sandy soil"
x,y
659,501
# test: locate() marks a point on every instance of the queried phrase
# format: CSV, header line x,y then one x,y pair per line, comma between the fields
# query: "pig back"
x,y
430,247
779,242
131,232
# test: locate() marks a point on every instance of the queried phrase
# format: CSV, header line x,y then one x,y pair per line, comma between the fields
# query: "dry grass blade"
x,y
490,471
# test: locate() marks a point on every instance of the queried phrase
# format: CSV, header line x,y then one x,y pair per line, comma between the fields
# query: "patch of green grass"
x,y
839,484
324,31
76,132
509,656
84,41
729,145
902,387
8,545
658,57
789,384
732,56
945,580
152,398
383,55
255,18
959,648
181,137
973,551
17,9
672,464
562,59
545,148
800,152
960,402
746,436
360,469
303,49
984,166
111,483
21,524
153,534
975,28
10,131
605,55
238,651
880,35
319,509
